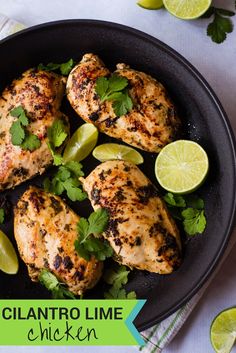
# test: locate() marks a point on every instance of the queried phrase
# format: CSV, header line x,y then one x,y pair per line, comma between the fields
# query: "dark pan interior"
x,y
203,121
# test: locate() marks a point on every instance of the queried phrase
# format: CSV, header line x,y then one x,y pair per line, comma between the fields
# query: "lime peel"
x,y
150,4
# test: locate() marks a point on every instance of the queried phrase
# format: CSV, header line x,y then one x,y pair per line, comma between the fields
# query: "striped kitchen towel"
x,y
158,336
8,26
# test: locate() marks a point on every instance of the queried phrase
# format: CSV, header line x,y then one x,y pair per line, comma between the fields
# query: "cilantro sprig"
x,y
117,277
2,215
221,24
58,289
64,68
20,136
189,210
88,242
57,134
114,89
66,179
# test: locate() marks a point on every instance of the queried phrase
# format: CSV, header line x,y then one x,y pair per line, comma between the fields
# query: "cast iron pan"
x,y
203,119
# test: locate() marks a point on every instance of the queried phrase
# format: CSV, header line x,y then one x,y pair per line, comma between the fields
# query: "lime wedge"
x,y
8,258
109,151
151,4
81,143
223,331
181,166
187,9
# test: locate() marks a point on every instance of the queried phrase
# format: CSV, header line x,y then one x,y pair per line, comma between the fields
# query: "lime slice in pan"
x,y
8,258
110,151
181,166
81,143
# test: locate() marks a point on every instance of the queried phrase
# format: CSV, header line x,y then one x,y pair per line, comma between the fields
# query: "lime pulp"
x,y
181,166
111,151
8,258
187,9
223,331
81,143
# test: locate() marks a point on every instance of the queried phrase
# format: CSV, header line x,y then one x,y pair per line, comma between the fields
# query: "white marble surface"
x,y
217,64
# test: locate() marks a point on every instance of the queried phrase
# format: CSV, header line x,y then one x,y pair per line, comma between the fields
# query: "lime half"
x,y
151,4
187,9
8,258
223,331
181,166
109,151
81,143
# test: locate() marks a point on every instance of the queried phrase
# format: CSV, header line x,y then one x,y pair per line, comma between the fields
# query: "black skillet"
x,y
203,119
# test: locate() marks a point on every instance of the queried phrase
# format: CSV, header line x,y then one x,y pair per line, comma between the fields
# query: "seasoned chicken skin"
x,y
141,230
45,231
40,94
150,125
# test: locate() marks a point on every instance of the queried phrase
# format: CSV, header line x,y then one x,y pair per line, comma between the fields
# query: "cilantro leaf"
x,y
117,277
81,250
102,87
48,67
61,292
194,201
123,104
219,28
57,157
66,180
2,215
220,25
100,249
73,191
57,133
51,282
189,210
75,167
83,228
62,174
31,142
194,221
64,68
174,200
19,113
67,67
16,112
17,133
98,221
48,279
117,83
87,244
114,89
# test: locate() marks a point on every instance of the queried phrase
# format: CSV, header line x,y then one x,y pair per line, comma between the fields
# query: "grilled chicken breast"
x,y
141,230
45,231
150,125
40,94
